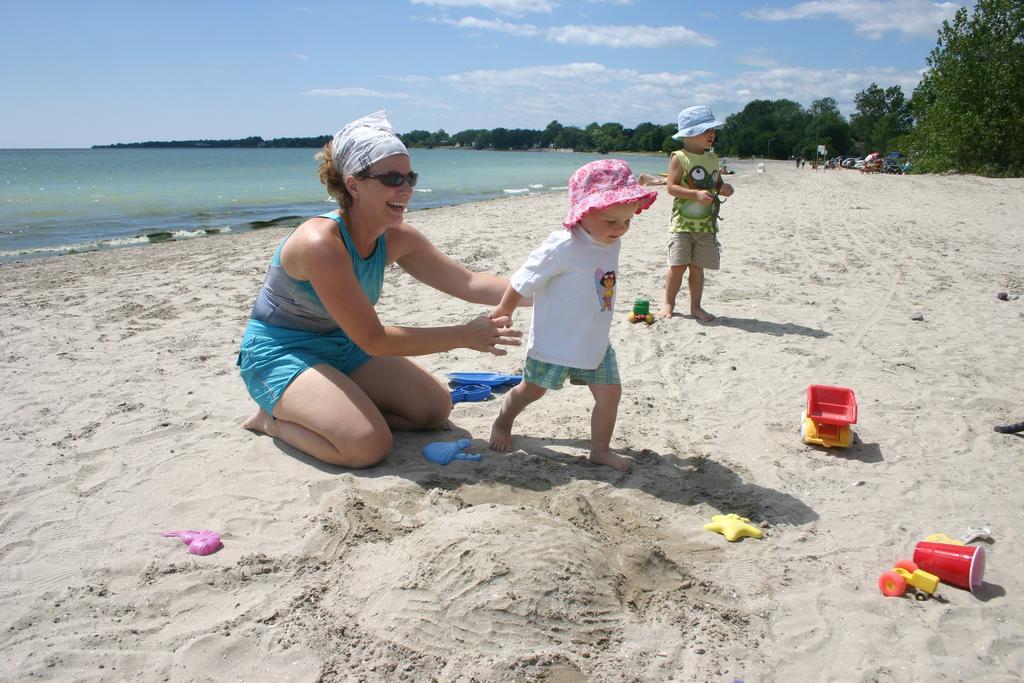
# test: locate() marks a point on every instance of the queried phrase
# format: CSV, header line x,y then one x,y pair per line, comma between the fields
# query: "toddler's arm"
x,y
509,300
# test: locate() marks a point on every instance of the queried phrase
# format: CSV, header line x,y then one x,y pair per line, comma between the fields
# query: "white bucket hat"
x,y
696,120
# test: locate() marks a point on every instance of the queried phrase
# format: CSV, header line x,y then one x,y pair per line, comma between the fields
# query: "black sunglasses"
x,y
394,178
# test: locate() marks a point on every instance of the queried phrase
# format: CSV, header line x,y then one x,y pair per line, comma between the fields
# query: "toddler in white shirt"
x,y
572,279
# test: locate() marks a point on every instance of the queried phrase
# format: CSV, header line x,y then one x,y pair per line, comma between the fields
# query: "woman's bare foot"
x,y
260,422
611,459
501,436
666,310
701,315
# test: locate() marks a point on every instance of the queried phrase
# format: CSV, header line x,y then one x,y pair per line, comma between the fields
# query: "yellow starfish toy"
x,y
733,527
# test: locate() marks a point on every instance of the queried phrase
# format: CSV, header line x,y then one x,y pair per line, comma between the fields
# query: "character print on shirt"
x,y
699,179
605,288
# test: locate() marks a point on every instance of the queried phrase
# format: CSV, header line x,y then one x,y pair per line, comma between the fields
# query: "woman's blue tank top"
x,y
286,302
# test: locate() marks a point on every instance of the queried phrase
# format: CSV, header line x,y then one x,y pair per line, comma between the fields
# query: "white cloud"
x,y
578,93
538,94
495,25
510,7
628,36
355,92
756,58
603,36
804,85
301,58
870,18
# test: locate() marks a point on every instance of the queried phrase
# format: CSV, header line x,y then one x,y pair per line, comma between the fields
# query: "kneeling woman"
x,y
328,377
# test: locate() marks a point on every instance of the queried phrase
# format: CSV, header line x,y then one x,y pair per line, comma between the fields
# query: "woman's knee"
x,y
429,410
438,412
361,450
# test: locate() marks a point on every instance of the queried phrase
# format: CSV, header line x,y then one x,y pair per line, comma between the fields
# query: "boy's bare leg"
x,y
673,281
515,402
602,424
696,283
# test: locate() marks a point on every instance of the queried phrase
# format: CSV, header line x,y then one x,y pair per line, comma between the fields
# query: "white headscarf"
x,y
364,142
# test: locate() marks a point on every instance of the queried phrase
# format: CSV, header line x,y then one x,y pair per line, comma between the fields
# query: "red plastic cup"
x,y
958,565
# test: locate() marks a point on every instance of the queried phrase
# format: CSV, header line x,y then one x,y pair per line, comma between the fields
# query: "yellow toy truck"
x,y
905,575
830,412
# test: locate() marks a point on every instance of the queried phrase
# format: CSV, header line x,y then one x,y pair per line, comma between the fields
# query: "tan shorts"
x,y
694,249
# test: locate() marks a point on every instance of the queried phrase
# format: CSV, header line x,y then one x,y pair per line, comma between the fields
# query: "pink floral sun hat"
x,y
600,184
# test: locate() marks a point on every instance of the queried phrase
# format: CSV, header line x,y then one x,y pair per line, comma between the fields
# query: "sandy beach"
x,y
122,407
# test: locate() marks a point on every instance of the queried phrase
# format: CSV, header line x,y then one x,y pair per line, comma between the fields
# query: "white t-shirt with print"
x,y
571,278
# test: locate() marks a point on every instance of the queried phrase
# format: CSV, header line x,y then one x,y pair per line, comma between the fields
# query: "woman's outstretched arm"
x,y
319,255
421,259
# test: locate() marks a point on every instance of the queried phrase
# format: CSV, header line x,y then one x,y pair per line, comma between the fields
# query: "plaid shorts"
x,y
551,376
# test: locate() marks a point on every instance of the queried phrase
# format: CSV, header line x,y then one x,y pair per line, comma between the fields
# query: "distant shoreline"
x,y
272,144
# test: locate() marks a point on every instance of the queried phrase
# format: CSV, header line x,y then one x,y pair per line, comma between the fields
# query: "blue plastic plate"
x,y
491,379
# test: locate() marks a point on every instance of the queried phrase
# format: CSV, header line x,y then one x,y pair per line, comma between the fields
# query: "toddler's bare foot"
x,y
501,437
611,459
666,310
259,422
701,315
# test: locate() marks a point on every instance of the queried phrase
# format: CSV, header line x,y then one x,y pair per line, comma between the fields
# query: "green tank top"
x,y
700,172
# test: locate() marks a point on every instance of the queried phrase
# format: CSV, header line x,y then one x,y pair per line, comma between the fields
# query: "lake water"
x,y
58,201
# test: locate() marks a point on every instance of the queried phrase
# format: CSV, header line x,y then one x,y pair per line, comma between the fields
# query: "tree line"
x,y
966,114
253,141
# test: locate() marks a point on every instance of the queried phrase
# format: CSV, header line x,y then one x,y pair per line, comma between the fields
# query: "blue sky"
x,y
75,73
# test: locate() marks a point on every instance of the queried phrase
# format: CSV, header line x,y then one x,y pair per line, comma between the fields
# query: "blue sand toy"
x,y
491,379
443,452
471,392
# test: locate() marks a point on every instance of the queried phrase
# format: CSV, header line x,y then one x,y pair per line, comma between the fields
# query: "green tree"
x,y
439,139
828,127
569,137
881,117
969,105
774,128
550,134
647,137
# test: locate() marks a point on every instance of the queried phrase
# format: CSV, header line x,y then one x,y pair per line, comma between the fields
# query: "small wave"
x,y
43,251
537,186
124,241
423,189
190,234
75,248
520,190
156,237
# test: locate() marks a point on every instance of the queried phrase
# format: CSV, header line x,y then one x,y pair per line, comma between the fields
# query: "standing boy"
x,y
694,179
